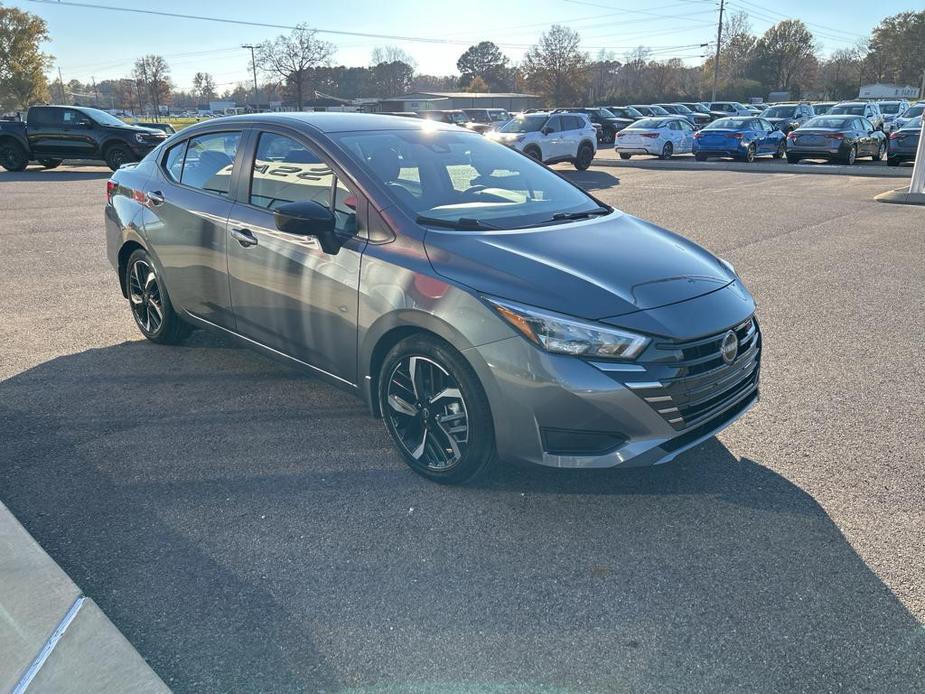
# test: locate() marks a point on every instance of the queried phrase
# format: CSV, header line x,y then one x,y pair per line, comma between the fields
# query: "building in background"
x,y
888,91
426,101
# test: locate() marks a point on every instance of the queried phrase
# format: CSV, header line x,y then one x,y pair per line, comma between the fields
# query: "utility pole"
x,y
60,86
254,68
719,41
96,91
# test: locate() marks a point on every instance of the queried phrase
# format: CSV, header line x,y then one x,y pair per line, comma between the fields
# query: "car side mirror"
x,y
308,218
546,130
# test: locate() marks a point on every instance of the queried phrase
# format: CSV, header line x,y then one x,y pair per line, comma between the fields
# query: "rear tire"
x,y
624,156
890,161
750,154
446,435
700,157
585,157
793,159
117,155
881,152
534,153
13,157
781,150
851,157
667,151
50,163
150,304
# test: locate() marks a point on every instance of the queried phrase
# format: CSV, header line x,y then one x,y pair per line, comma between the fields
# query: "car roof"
x,y
326,121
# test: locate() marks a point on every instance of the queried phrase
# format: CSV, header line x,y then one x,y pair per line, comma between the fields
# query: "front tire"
x,y
50,163
890,161
117,155
625,157
585,157
150,305
750,154
851,157
700,157
667,151
13,157
793,159
781,151
436,411
881,152
534,153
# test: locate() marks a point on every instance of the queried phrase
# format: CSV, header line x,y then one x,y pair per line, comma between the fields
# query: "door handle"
x,y
155,197
245,237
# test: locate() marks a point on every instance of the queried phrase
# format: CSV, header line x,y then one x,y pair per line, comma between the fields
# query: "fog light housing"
x,y
578,442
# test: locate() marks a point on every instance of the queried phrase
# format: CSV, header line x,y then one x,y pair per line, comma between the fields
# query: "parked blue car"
x,y
741,138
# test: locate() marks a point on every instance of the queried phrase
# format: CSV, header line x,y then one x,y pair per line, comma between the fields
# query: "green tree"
x,y
292,57
391,79
897,49
486,61
556,67
785,56
22,64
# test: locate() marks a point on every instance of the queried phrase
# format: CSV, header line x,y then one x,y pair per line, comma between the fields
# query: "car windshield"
x,y
699,108
499,116
465,180
914,111
779,112
605,113
848,109
914,124
102,117
827,122
648,124
681,108
659,111
727,124
524,124
477,115
822,108
889,107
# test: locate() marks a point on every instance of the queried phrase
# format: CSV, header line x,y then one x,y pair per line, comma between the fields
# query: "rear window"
x,y
848,109
44,117
647,124
727,124
828,122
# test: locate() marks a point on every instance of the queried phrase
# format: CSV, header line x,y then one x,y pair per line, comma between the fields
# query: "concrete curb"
x,y
53,638
901,196
761,166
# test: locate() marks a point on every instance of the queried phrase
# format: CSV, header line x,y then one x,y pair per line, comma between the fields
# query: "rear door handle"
x,y
155,197
245,237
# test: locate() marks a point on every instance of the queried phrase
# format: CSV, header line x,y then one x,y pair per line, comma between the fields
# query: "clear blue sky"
x,y
103,43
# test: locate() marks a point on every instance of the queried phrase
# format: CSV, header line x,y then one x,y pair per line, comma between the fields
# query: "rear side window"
x,y
173,161
209,162
288,171
44,117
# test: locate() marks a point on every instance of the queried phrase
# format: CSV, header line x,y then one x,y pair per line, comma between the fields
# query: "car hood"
x,y
602,267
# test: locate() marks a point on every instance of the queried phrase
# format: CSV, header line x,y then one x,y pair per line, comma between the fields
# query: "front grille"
x,y
694,384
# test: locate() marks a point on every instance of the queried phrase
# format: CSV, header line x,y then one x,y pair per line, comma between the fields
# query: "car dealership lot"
x,y
251,529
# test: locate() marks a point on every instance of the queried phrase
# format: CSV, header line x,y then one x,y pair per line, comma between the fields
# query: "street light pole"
x,y
254,68
719,41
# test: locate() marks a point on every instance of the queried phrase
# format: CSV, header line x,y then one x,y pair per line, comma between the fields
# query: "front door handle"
x,y
155,197
245,237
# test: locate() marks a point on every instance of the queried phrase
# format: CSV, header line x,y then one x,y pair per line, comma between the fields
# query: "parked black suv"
x,y
598,115
51,134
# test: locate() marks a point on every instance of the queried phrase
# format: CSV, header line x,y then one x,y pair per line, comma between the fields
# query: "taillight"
x,y
652,135
698,135
895,136
736,136
111,188
621,134
792,136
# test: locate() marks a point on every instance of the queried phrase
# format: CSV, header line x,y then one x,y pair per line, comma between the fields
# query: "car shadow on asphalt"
x,y
251,529
591,179
38,174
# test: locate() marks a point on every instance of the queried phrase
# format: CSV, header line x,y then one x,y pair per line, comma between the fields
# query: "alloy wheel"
x,y
10,157
145,297
427,412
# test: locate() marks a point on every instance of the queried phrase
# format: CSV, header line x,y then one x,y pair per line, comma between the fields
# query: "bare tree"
x,y
154,73
390,54
556,65
291,58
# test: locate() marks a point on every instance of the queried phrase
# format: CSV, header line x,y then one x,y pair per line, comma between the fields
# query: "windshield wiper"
x,y
581,215
463,223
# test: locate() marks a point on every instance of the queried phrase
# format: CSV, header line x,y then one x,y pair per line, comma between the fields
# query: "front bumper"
x,y
534,395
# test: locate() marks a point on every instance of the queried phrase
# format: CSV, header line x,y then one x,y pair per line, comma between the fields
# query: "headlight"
x,y
556,333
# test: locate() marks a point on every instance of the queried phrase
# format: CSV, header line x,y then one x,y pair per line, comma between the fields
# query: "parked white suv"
x,y
550,137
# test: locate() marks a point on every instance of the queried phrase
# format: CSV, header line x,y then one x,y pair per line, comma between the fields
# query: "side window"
x,y
44,117
173,161
70,117
555,124
288,171
209,162
866,125
573,122
685,126
673,125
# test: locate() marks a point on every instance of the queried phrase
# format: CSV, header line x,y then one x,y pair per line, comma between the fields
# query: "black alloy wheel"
x,y
667,151
150,304
852,155
881,152
12,156
117,155
436,411
585,157
781,150
750,153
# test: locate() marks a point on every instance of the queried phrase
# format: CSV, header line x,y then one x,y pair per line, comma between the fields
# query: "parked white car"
x,y
550,137
662,136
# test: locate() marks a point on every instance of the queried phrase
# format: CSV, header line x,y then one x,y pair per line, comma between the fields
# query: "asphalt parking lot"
x,y
250,529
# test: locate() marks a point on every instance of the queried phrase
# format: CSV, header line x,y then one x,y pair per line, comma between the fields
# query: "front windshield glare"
x,y
463,176
102,117
524,124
